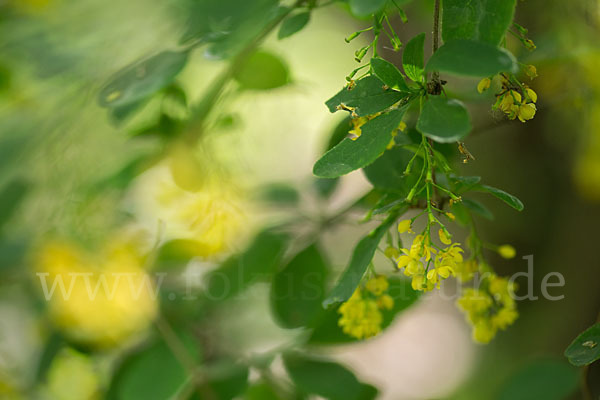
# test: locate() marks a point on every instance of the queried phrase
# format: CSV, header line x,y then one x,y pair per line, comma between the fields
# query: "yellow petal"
x,y
444,237
483,85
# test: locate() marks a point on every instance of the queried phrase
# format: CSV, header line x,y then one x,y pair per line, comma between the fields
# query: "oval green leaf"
x,y
482,20
413,58
325,378
142,79
508,198
364,8
444,120
350,155
293,24
471,58
585,349
369,96
541,380
262,71
389,74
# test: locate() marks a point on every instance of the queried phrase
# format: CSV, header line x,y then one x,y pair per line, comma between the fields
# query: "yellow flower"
x,y
489,309
526,112
437,272
404,226
444,238
531,94
98,299
483,331
509,100
420,283
475,301
360,317
505,317
465,270
391,252
450,216
484,85
212,219
502,290
531,71
377,285
385,302
507,251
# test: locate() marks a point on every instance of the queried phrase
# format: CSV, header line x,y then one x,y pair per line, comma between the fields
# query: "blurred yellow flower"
x,y
211,216
507,251
360,317
97,299
490,308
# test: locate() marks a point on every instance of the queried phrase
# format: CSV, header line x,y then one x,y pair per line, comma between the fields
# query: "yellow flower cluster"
x,y
108,297
515,101
426,277
490,308
361,315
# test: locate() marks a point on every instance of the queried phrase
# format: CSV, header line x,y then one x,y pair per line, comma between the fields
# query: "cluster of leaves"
x,y
406,172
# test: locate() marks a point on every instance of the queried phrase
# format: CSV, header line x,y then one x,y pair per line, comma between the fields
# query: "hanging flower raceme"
x,y
361,315
516,99
489,308
424,264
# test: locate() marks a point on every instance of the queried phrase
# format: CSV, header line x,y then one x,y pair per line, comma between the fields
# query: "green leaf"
x,y
367,97
325,378
387,172
142,79
361,257
293,24
444,120
328,331
11,196
279,193
471,58
228,26
541,380
299,288
364,8
350,154
482,20
258,262
152,374
389,74
464,183
412,58
585,349
502,195
262,71
478,208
